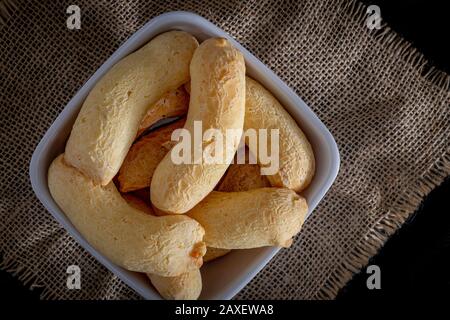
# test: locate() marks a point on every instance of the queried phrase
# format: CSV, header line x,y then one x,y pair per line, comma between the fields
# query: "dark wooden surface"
x,y
415,262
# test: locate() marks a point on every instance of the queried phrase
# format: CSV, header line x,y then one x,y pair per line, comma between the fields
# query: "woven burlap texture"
x,y
388,111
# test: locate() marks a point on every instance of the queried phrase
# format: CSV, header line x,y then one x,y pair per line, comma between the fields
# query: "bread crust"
x,y
250,219
144,156
214,253
174,103
242,177
296,156
186,286
218,100
130,238
137,203
111,114
239,177
141,89
263,111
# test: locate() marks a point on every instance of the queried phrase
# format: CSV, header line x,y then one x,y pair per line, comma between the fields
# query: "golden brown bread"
x,y
144,156
296,157
111,114
170,250
187,87
142,194
214,253
186,286
250,219
137,203
239,177
141,161
218,100
130,238
242,177
173,104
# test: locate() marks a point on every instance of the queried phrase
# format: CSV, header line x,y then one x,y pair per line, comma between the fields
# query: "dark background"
x,y
415,262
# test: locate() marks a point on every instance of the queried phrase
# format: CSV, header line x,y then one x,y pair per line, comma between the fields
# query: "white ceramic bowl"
x,y
223,278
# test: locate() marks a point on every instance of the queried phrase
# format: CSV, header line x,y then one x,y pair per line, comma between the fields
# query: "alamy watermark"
x,y
373,21
73,22
74,278
213,146
374,280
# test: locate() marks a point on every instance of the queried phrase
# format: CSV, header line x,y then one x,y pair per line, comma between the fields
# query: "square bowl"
x,y
224,277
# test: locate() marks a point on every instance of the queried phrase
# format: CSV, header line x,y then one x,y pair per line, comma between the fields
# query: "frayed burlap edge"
x,y
412,197
25,276
384,227
406,205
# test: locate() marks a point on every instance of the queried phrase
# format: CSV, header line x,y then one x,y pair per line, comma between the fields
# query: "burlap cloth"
x,y
388,110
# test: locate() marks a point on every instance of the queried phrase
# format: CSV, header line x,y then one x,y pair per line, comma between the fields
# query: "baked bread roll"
x,y
242,177
296,157
174,103
214,253
186,286
250,219
144,156
142,194
130,238
137,203
218,101
111,114
239,177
